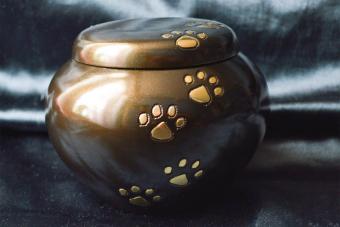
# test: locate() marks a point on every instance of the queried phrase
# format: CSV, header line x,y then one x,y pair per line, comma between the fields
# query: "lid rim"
x,y
154,69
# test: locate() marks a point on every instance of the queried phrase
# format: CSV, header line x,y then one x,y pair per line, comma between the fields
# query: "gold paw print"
x,y
137,198
181,179
160,121
186,40
202,93
209,24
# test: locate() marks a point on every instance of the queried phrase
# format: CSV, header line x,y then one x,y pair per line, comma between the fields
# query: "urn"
x,y
148,110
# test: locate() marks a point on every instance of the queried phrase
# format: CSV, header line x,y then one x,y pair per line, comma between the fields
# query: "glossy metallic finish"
x,y
141,137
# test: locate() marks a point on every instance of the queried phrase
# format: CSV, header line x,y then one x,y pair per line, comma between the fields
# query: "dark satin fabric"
x,y
293,178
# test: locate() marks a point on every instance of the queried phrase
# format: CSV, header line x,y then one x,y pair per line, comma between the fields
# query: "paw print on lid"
x,y
185,172
138,198
159,121
188,39
204,87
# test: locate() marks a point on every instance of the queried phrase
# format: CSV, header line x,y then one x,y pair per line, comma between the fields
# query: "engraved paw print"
x,y
181,179
207,24
139,198
203,84
160,122
186,40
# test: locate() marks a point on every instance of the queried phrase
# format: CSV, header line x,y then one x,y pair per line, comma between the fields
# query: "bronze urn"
x,y
150,109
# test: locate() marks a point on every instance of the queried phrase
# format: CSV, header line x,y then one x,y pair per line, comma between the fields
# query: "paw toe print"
x,y
182,178
202,93
138,198
186,40
160,121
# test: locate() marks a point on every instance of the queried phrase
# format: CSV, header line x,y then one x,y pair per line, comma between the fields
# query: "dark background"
x,y
294,178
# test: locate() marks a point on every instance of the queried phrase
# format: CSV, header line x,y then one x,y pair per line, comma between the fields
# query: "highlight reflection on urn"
x,y
148,108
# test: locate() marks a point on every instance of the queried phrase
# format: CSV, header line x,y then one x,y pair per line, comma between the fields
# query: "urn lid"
x,y
157,43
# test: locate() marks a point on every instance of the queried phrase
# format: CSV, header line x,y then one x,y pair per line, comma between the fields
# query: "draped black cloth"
x,y
294,177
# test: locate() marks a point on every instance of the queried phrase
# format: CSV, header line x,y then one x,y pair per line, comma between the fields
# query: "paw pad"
x,y
159,121
206,87
139,198
182,178
186,40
